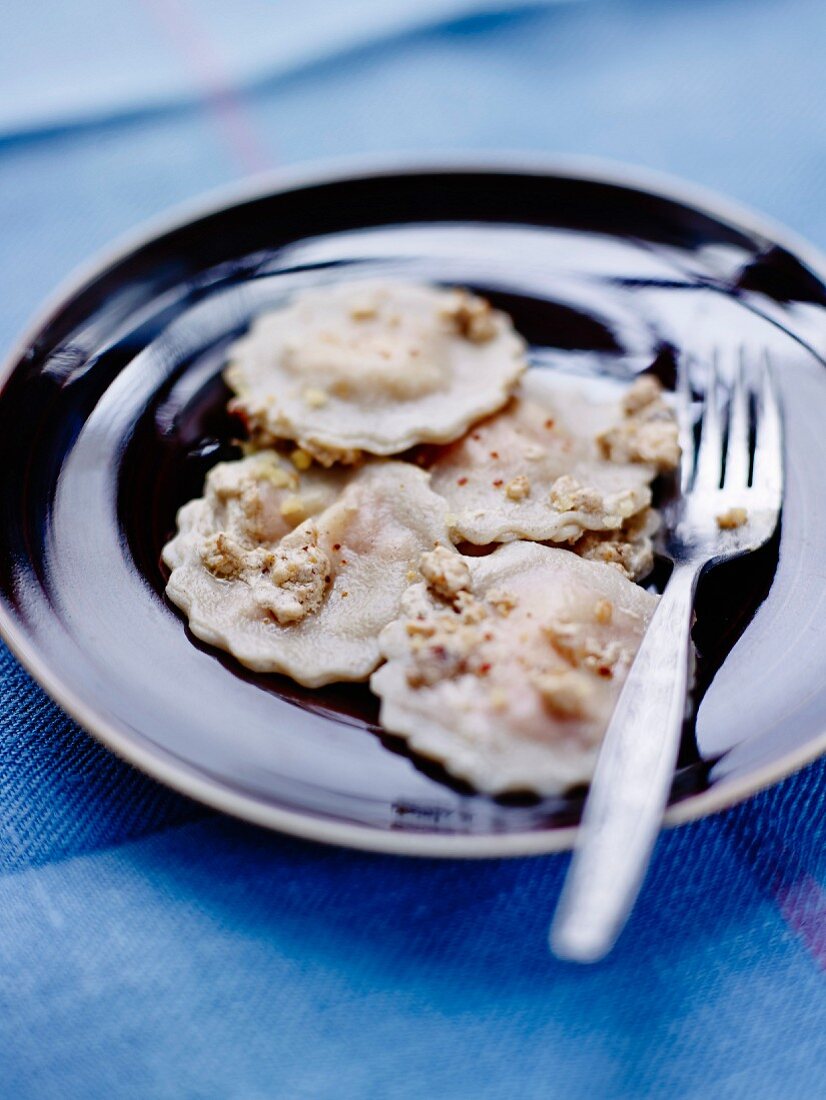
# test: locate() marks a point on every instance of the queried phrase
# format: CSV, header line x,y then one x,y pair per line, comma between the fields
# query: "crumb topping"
x,y
445,571
296,579
568,495
513,477
293,509
603,611
301,459
471,317
518,488
565,692
644,391
364,311
502,600
511,685
226,557
288,580
581,648
648,430
445,644
461,638
610,509
629,548
732,519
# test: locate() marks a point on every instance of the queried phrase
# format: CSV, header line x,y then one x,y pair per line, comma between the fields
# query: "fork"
x,y
737,464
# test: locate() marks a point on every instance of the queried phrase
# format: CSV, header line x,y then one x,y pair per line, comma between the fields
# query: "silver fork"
x,y
634,772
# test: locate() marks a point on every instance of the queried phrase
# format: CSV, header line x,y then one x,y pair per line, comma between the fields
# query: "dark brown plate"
x,y
112,410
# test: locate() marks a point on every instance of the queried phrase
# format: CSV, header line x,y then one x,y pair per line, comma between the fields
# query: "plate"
x,y
112,410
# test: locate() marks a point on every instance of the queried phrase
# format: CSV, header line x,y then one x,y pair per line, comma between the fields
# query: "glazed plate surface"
x,y
112,409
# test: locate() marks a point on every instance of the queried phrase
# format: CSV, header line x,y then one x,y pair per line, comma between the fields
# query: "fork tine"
x,y
767,476
710,451
737,447
685,421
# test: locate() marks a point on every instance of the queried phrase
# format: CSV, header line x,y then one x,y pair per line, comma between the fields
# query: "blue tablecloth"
x,y
152,948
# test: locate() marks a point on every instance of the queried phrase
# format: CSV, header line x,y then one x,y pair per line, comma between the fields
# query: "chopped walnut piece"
x,y
331,456
224,556
300,459
365,311
629,548
447,653
625,504
567,495
288,581
581,649
648,431
445,572
292,508
611,552
472,317
298,577
502,600
644,391
248,489
603,611
235,481
473,611
564,693
732,519
518,488
244,497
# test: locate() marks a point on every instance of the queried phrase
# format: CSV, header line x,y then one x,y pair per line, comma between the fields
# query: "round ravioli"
x,y
373,367
311,602
553,465
510,677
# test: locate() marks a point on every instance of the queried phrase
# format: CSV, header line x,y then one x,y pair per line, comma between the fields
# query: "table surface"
x,y
152,948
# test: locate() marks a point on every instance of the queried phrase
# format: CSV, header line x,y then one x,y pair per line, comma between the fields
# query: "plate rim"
x,y
169,769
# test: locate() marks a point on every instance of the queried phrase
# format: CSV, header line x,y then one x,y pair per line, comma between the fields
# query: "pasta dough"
x,y
510,677
309,603
373,367
539,469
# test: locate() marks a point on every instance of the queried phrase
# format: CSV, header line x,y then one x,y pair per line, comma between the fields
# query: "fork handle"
x,y
632,780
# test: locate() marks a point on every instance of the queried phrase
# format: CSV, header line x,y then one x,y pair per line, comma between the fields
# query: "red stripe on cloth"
x,y
803,905
781,875
181,26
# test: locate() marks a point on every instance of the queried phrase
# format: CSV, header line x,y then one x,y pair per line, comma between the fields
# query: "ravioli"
x,y
310,601
509,678
539,469
370,367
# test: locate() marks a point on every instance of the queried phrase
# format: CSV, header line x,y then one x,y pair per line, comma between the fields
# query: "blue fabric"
x,y
151,948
